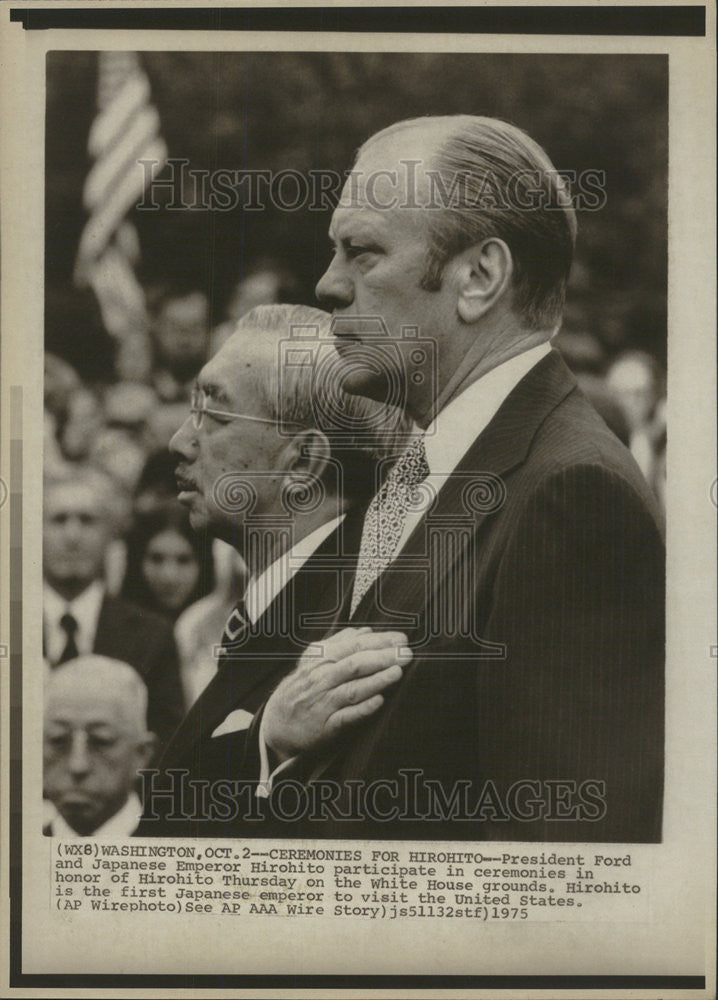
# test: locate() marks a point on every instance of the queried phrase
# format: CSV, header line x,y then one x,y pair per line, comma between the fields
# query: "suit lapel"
x,y
296,617
399,598
469,494
236,676
110,621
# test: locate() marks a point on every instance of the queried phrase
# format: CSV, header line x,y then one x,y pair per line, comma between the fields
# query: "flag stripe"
x,y
123,160
125,130
109,124
107,216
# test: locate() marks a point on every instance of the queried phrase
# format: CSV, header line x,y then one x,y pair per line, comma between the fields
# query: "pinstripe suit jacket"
x,y
533,596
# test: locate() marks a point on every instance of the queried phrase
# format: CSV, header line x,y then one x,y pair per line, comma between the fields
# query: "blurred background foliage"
x,y
310,111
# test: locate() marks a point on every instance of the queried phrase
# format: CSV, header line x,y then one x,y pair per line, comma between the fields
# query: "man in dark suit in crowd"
x,y
95,742
515,541
80,617
264,465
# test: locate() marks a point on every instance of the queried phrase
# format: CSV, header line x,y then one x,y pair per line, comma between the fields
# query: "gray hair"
x,y
114,500
304,387
113,675
508,188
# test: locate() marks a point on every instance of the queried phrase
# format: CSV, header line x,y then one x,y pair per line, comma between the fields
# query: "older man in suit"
x,y
95,742
79,616
515,540
267,465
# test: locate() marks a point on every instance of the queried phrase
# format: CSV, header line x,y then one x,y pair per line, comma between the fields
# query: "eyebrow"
x,y
356,237
364,228
62,722
218,394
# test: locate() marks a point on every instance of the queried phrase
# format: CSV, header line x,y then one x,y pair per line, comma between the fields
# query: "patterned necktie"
x,y
68,624
386,516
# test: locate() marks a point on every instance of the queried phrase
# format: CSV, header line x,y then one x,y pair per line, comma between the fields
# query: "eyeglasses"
x,y
198,407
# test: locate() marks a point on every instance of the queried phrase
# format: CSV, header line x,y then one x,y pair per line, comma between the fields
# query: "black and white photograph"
x,y
442,621
351,526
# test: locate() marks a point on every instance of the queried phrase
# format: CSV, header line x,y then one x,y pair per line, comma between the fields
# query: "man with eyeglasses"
x,y
95,740
265,466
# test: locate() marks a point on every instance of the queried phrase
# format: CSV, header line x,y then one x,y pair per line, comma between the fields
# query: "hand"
x,y
337,683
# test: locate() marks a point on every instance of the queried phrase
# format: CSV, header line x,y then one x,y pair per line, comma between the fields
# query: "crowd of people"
x,y
130,581
114,436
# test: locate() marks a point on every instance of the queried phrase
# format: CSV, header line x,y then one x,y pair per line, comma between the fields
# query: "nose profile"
x,y
183,441
334,289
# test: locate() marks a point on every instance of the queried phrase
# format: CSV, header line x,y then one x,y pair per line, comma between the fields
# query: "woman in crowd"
x,y
168,565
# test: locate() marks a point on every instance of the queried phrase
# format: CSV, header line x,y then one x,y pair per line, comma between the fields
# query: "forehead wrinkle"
x,y
388,226
363,214
238,378
70,722
116,715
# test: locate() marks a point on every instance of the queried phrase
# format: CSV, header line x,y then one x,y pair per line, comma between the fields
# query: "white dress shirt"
x,y
261,591
457,426
85,609
122,824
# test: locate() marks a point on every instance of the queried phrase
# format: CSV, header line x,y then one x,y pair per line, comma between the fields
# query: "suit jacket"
x,y
146,641
533,596
247,673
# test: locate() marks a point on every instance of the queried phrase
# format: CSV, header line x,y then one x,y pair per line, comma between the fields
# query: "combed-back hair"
x,y
489,178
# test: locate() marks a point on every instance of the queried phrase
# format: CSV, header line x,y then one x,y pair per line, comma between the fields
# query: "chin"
x,y
198,519
84,819
357,382
75,577
378,387
373,371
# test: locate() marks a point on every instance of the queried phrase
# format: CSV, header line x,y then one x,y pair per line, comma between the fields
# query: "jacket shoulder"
x,y
574,436
120,610
129,632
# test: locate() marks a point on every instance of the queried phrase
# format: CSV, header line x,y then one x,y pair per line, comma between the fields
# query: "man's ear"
x,y
306,457
484,273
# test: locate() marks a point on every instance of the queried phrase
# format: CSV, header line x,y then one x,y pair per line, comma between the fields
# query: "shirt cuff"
x,y
266,779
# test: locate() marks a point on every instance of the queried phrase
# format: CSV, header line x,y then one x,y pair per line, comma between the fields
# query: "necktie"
x,y
237,625
68,624
385,518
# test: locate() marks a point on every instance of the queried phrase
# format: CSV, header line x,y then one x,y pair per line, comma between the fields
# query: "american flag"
x,y
125,132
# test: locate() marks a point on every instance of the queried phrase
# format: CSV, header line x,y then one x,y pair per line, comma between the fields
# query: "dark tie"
x,y
236,628
68,623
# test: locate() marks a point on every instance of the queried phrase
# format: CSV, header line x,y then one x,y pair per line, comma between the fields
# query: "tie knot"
x,y
68,623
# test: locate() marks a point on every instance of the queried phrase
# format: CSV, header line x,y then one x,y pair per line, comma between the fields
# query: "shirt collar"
x,y
86,606
122,824
458,425
262,590
85,609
